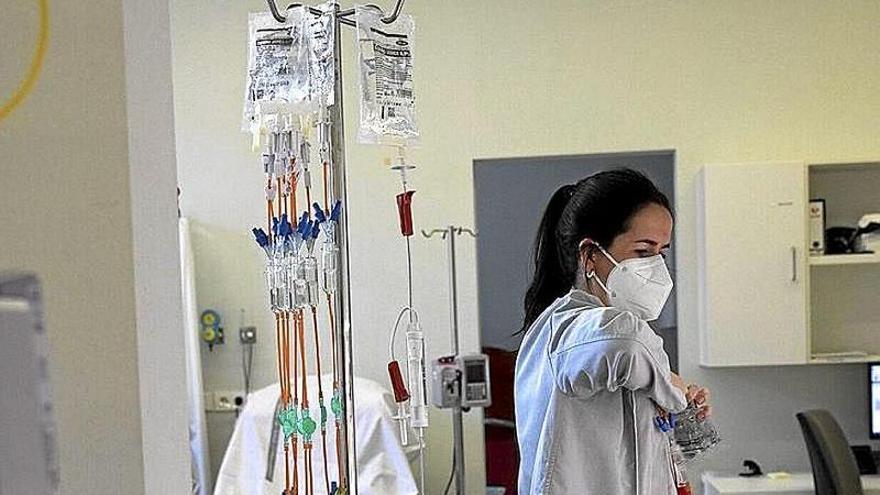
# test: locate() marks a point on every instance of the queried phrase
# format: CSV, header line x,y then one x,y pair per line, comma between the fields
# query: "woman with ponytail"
x,y
591,375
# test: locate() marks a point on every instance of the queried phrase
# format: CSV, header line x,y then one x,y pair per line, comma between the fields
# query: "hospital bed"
x,y
383,465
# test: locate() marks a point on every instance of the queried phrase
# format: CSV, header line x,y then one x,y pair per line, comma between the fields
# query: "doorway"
x,y
510,197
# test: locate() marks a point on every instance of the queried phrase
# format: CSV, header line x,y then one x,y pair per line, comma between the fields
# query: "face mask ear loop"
x,y
592,275
612,260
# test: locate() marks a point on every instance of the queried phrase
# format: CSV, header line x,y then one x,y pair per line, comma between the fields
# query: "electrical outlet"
x,y
247,335
226,401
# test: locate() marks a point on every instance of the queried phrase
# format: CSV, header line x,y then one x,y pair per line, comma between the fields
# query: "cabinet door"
x,y
753,291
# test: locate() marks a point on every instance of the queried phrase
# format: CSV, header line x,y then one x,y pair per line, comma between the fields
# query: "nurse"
x,y
591,375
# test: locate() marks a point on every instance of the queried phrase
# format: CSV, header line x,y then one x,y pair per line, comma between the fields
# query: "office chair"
x,y
834,468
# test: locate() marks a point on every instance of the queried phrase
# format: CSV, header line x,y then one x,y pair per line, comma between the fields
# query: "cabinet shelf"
x,y
819,359
793,313
844,259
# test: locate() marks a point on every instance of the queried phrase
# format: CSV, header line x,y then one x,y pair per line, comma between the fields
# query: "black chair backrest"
x,y
834,467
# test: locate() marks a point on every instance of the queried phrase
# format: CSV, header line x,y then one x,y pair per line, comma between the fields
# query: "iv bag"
x,y
385,63
277,74
322,68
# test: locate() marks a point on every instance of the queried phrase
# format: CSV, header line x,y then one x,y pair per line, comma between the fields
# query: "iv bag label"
x,y
394,83
270,76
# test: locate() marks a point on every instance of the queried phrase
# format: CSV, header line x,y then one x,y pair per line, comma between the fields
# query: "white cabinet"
x,y
753,265
763,300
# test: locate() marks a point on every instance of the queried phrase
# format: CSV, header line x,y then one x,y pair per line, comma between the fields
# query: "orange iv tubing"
x,y
294,280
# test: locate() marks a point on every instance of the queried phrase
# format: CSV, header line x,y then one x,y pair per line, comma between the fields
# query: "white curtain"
x,y
198,433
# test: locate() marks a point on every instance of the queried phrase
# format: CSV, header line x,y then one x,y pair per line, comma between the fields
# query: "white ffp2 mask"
x,y
638,285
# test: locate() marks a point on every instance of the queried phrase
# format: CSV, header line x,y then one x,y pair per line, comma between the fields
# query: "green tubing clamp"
x,y
307,426
287,418
336,405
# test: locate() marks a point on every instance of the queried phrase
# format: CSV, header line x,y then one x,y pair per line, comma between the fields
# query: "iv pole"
x,y
449,234
339,185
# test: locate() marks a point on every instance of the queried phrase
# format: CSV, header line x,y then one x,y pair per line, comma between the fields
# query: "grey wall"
x,y
65,214
510,197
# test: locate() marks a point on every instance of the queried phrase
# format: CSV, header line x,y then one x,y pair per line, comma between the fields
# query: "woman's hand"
x,y
695,394
699,396
678,383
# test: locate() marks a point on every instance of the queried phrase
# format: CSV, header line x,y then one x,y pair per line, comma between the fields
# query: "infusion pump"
x,y
461,381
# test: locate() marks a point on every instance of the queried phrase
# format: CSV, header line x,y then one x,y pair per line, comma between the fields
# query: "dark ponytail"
x,y
598,207
550,280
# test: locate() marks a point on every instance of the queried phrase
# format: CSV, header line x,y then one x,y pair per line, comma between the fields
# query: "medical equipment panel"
x,y
461,381
28,447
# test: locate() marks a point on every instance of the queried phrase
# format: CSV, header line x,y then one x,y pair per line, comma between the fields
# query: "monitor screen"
x,y
874,383
476,372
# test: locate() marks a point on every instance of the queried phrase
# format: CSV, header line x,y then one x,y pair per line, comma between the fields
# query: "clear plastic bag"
x,y
322,70
278,78
385,63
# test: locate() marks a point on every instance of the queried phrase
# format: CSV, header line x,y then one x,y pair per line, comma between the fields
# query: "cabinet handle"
x,y
794,274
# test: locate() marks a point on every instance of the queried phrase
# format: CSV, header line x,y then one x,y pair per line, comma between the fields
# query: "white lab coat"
x,y
588,382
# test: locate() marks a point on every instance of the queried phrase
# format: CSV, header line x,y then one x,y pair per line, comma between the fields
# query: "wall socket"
x,y
247,335
223,401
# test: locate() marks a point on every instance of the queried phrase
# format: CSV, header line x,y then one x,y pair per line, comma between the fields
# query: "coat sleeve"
x,y
614,362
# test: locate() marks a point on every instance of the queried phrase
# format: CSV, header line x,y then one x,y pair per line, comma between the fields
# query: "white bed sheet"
x,y
383,464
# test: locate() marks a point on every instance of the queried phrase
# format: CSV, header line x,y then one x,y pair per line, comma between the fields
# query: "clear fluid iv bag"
x,y
278,65
385,65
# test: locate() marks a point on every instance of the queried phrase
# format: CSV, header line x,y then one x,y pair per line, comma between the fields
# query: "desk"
x,y
796,484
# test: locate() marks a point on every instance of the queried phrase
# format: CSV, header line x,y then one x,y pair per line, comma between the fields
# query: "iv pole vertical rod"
x,y
457,425
343,295
453,289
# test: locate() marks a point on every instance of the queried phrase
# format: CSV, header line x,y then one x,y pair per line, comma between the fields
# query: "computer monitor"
x,y
874,397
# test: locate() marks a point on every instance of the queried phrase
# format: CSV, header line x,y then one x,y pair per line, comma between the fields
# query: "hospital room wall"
x,y
716,81
65,214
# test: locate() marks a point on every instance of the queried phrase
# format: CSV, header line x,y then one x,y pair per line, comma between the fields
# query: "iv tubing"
x,y
269,210
409,280
281,203
284,360
409,277
285,332
279,341
307,445
326,186
278,346
332,319
409,270
422,462
317,351
412,313
295,403
302,353
293,184
320,394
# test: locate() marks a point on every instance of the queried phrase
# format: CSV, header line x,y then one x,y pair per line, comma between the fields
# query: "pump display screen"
x,y
874,375
476,372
